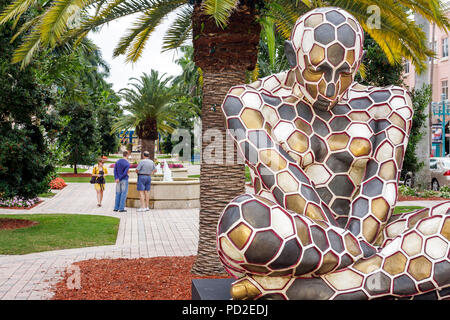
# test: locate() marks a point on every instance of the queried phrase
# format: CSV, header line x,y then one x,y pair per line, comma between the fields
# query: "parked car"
x,y
440,172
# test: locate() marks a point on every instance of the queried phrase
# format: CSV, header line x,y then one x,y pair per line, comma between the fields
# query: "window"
x,y
433,164
433,46
445,89
406,66
445,47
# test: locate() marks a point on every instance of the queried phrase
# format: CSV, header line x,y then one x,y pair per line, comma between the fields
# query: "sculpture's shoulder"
x,y
270,90
381,102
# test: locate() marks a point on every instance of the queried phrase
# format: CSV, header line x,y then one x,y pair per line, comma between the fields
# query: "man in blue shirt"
x,y
121,176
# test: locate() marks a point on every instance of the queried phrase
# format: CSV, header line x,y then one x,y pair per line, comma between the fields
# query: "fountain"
x,y
170,189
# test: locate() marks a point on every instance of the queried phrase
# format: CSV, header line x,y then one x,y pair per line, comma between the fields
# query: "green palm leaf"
x,y
134,41
180,30
15,9
220,10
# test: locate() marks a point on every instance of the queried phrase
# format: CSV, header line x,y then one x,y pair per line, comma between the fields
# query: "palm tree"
x,y
69,21
149,103
222,53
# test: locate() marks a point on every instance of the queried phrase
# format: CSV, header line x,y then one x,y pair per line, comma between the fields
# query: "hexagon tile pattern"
x,y
325,154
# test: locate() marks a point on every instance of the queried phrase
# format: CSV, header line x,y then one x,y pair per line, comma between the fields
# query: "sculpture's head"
x,y
325,49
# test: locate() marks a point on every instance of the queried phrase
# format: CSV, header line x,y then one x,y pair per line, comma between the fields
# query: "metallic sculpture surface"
x,y
325,155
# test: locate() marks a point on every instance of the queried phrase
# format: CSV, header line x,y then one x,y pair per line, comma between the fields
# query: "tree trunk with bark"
x,y
223,55
148,145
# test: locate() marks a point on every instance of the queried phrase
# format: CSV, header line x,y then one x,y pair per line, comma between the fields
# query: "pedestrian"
x,y
121,176
144,170
98,178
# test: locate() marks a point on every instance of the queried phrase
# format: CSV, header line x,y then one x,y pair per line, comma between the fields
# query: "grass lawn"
x,y
403,209
58,231
194,176
109,179
46,194
70,170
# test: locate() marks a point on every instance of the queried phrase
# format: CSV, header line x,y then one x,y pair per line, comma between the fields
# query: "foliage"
x,y
57,184
79,134
407,191
444,192
445,189
189,86
107,112
69,21
378,70
421,99
85,103
270,63
429,194
18,202
148,104
25,156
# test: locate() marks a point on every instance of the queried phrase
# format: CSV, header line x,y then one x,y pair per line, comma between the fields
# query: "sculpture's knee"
x,y
257,236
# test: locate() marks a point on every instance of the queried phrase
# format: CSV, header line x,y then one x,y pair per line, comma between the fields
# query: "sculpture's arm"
x,y
372,208
276,171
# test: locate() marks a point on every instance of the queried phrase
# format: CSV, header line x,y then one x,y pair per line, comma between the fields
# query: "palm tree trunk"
x,y
219,183
148,145
223,55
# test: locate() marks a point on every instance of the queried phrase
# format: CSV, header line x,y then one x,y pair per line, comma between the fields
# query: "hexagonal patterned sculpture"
x,y
326,153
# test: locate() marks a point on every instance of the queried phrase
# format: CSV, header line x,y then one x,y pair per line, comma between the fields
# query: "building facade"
x,y
438,77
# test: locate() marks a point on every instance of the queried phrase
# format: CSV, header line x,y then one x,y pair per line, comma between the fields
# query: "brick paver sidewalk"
x,y
140,235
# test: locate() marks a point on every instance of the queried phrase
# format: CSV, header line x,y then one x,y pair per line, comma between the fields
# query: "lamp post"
x,y
441,109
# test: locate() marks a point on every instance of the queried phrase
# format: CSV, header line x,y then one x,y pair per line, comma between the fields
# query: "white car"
x,y
440,172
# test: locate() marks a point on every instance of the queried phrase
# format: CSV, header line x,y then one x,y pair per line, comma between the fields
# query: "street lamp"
x,y
442,109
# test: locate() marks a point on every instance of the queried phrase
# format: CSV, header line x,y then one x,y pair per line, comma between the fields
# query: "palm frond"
x,y
26,27
134,41
15,9
54,21
220,10
180,30
26,50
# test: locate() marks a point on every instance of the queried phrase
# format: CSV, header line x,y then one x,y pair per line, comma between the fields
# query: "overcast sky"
x,y
152,57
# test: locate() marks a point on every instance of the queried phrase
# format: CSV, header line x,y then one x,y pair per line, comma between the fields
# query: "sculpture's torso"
x,y
333,147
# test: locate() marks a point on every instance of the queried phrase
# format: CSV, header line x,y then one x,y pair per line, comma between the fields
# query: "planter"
x,y
182,193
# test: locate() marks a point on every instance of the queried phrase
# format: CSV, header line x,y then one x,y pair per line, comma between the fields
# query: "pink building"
x,y
441,65
439,81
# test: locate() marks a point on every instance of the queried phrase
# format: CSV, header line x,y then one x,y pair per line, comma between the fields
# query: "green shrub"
x,y
407,191
444,194
429,194
445,189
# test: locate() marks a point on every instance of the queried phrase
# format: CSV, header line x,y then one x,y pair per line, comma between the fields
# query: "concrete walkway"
x,y
140,235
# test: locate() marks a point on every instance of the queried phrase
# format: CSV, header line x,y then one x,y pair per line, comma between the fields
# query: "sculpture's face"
x,y
326,50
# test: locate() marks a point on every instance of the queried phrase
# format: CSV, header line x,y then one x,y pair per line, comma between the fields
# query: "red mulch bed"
x,y
412,198
22,208
11,224
71,175
159,278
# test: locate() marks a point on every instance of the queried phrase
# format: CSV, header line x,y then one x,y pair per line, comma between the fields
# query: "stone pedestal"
x,y
178,194
211,289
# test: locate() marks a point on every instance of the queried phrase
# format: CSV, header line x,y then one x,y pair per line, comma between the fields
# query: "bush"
x,y
445,189
57,184
18,202
430,194
407,191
